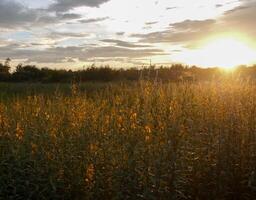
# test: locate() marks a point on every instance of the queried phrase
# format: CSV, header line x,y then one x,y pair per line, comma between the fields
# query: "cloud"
x,y
15,14
118,52
49,55
188,30
69,16
171,8
120,33
93,20
60,54
151,23
121,43
218,5
193,25
56,35
4,43
241,18
66,5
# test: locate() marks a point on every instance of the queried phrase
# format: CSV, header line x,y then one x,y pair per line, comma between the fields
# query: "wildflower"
x,y
120,121
148,132
90,171
19,132
134,116
133,126
107,120
147,138
93,148
33,148
147,129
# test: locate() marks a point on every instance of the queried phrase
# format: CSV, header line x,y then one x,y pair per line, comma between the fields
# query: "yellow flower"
x,y
147,138
90,171
94,148
19,132
134,116
148,133
120,119
33,148
148,129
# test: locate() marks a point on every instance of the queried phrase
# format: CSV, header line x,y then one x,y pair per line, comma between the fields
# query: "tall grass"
x,y
143,141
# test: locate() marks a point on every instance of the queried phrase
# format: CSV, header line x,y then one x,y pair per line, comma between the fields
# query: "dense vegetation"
x,y
139,140
176,72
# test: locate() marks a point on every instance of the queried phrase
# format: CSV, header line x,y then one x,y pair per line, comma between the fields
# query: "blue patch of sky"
x,y
19,36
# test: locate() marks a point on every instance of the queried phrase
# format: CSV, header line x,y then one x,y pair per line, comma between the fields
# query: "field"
x,y
142,140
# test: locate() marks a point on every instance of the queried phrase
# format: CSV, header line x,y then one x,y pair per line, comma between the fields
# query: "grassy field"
x,y
192,141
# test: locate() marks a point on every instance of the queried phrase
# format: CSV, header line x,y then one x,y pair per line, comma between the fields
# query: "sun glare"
x,y
222,52
228,53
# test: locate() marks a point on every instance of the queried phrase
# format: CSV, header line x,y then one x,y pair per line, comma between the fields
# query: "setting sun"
x,y
228,53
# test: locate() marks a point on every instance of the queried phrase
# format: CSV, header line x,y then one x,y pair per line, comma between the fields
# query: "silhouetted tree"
x,y
176,72
5,70
27,73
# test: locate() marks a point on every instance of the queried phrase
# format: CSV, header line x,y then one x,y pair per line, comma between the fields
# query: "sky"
x,y
74,33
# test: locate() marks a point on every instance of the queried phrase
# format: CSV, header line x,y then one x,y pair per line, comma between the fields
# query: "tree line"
x,y
175,72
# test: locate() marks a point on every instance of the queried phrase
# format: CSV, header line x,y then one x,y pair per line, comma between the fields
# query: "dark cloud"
x,y
45,20
121,43
49,55
14,14
69,16
193,25
151,23
93,20
185,31
171,8
40,43
66,5
218,5
120,33
48,19
60,54
118,52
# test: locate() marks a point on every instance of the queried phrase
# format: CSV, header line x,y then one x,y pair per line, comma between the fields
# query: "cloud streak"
x,y
59,54
93,20
66,5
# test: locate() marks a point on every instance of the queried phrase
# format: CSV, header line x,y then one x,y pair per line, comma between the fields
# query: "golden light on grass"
x,y
128,138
